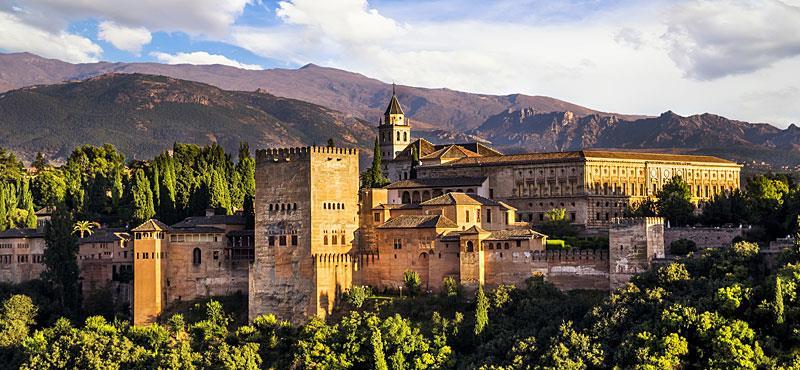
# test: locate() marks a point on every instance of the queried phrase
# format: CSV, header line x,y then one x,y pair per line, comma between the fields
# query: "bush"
x,y
555,244
451,287
682,247
412,282
356,295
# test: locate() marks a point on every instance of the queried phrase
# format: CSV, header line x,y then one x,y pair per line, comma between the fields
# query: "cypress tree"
x,y
25,197
3,209
220,196
60,260
377,345
778,301
142,206
30,219
116,188
156,183
481,311
375,176
247,170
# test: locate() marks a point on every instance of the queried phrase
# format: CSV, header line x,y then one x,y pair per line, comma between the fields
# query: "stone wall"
x,y
704,237
21,259
567,270
633,244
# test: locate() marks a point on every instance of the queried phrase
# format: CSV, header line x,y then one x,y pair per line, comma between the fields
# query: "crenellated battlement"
x,y
549,256
287,154
635,221
331,258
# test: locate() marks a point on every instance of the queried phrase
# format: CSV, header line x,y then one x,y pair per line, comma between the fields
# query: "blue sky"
x,y
737,58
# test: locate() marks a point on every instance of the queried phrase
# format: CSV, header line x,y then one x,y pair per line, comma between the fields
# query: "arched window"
x,y
470,247
415,197
405,136
343,241
491,246
294,206
398,135
325,240
470,191
196,257
270,207
505,245
406,197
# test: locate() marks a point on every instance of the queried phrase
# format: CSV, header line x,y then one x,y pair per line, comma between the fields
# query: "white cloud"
x,y
710,38
201,58
18,36
195,17
124,38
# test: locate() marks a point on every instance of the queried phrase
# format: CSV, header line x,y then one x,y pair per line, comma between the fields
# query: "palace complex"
x,y
460,211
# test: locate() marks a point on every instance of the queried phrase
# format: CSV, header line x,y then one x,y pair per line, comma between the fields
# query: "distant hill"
x,y
532,130
143,115
347,92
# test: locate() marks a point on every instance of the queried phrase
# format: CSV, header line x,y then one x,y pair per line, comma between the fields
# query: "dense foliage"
x,y
97,184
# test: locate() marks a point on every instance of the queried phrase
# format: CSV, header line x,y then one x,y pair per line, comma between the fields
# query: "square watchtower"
x,y
306,217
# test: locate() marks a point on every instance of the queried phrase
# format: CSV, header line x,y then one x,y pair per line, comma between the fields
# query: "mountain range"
x,y
142,108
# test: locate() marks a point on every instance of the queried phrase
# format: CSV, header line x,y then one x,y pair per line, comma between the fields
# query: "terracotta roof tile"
x,y
582,155
151,225
460,198
422,221
437,182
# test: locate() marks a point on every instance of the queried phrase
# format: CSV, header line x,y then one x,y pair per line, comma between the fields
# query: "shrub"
x,y
451,287
412,282
356,295
682,247
555,244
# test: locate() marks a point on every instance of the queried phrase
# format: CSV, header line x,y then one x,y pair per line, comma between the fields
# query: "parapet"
x,y
621,222
551,256
287,154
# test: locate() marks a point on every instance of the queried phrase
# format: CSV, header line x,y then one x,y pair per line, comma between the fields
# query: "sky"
x,y
739,59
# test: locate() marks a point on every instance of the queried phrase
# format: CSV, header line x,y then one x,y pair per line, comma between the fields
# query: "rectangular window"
x,y
489,215
282,240
491,193
572,216
294,240
271,241
467,215
377,217
398,243
216,255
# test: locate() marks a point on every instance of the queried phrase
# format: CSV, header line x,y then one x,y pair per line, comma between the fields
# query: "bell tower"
x,y
394,131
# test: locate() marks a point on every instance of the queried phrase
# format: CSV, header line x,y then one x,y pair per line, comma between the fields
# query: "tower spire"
x,y
393,88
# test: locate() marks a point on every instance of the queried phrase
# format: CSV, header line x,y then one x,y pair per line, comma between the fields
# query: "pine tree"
x,y
481,311
39,163
142,207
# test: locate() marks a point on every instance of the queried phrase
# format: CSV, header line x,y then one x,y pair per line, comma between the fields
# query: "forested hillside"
x,y
143,115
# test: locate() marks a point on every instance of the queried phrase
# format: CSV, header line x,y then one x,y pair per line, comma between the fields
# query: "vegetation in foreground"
x,y
719,309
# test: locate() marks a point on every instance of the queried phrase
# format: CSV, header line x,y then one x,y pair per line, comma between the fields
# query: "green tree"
x,y
40,163
60,260
572,350
778,305
48,188
373,177
16,318
412,282
30,217
682,247
84,227
481,310
142,207
675,202
357,295
3,210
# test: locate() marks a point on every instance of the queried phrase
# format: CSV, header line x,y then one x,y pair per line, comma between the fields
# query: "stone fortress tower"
x,y
149,268
306,218
633,243
394,131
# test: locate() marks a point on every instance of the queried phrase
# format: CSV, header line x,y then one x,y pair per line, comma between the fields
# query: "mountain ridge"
x,y
350,92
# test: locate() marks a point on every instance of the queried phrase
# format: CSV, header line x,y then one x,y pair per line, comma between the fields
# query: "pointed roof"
x,y
151,225
394,105
475,229
451,151
415,221
460,198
